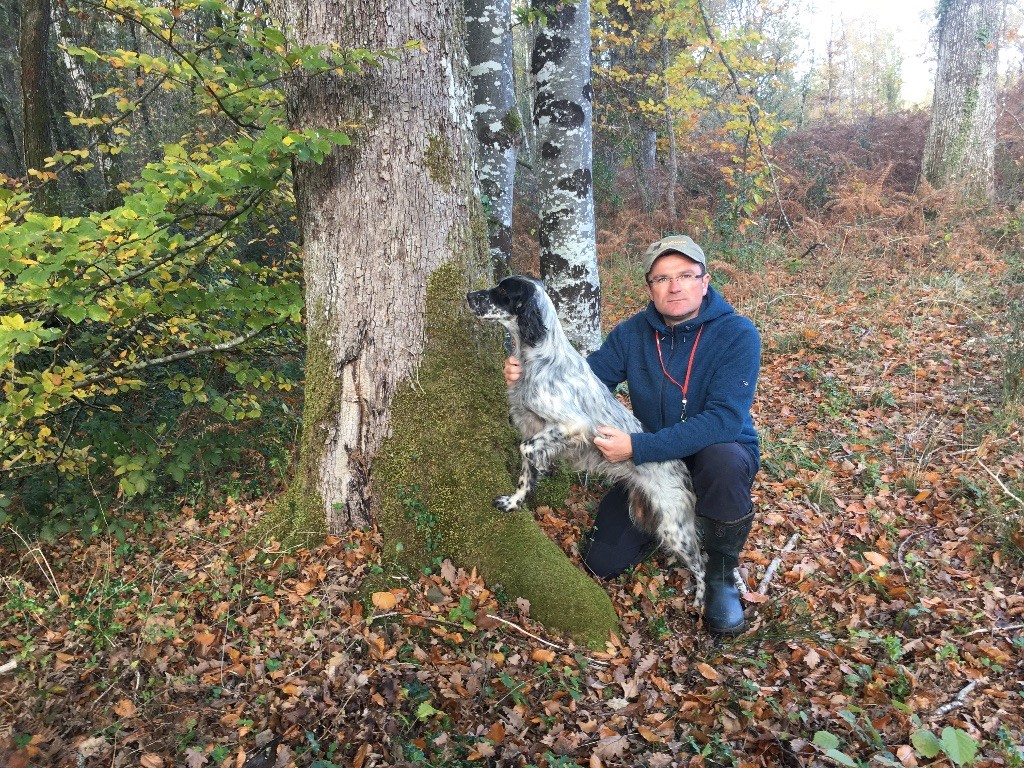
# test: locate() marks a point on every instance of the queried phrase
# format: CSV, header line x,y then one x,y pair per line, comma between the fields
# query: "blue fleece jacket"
x,y
721,385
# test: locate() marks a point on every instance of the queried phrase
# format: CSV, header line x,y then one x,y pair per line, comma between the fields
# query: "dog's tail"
x,y
659,494
642,511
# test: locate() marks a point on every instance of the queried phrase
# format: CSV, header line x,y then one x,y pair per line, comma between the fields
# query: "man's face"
x,y
679,299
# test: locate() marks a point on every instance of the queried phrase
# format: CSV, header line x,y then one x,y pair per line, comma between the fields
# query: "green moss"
x,y
439,161
448,454
512,125
553,490
299,517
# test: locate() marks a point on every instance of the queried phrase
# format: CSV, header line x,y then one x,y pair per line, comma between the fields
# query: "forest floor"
x,y
889,629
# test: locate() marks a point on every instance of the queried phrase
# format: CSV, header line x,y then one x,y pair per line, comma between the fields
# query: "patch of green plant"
x,y
425,523
1011,351
958,745
139,335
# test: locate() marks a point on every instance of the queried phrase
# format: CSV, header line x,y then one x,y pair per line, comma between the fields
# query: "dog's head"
x,y
517,303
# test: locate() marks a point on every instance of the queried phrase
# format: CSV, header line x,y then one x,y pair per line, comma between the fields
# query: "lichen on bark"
x,y
447,458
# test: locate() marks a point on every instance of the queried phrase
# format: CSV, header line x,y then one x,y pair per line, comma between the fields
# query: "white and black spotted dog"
x,y
558,404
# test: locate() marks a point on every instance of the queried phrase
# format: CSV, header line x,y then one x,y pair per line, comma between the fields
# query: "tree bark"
x,y
960,147
495,119
12,156
645,158
405,417
670,130
34,44
376,220
563,119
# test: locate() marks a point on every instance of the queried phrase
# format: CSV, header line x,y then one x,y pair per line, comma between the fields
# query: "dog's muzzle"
x,y
479,302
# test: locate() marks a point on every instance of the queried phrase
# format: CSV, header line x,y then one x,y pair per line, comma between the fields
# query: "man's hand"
x,y
614,444
513,371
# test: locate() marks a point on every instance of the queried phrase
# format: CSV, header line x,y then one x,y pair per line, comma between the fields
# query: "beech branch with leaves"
x,y
110,309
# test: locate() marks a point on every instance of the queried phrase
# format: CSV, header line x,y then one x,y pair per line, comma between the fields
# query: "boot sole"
x,y
739,629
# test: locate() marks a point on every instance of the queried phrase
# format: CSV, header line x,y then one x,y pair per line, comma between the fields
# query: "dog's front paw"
x,y
506,504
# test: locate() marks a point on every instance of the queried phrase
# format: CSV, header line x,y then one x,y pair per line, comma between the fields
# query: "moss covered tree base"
x,y
296,520
447,458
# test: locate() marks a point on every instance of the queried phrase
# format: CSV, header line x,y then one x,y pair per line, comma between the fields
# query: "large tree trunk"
x,y
960,148
34,44
495,118
562,117
645,159
405,420
12,157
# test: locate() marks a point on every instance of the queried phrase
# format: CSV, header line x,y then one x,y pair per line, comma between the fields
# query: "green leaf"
x,y
425,710
926,743
840,757
959,745
75,313
825,740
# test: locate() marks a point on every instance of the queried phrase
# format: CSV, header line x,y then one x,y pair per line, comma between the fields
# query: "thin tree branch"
x,y
516,627
769,574
751,102
184,355
1002,485
956,703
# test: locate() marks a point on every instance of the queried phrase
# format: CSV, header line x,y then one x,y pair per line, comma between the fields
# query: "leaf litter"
x,y
890,629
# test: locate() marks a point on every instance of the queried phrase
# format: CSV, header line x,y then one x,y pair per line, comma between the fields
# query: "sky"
x,y
910,20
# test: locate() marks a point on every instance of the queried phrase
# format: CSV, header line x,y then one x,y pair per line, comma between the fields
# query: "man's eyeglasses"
x,y
686,278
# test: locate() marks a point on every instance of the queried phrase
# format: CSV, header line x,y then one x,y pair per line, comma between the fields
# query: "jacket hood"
x,y
711,308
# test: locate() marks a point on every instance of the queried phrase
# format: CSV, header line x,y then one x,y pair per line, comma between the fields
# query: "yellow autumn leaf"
x,y
709,672
876,558
124,708
542,655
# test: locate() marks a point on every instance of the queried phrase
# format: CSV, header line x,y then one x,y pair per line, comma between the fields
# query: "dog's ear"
x,y
531,323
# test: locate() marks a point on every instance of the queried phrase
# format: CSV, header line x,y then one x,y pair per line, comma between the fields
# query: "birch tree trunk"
x,y
562,116
960,147
495,119
405,419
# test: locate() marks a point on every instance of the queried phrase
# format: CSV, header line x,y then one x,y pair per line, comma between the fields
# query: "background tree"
x,y
960,147
404,421
661,66
859,73
141,340
495,118
34,46
562,118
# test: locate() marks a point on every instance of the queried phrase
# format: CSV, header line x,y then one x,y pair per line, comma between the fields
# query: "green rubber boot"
x,y
723,611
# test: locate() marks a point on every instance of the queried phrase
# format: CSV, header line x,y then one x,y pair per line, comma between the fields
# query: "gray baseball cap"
x,y
673,244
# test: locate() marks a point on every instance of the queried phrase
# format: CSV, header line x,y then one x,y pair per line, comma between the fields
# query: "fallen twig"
x,y
10,666
769,574
41,562
899,551
563,649
994,630
1002,485
945,709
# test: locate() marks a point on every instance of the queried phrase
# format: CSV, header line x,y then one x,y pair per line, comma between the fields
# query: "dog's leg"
x,y
538,452
682,539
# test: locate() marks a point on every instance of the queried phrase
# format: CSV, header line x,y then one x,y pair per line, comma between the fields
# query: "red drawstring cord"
x,y
689,367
